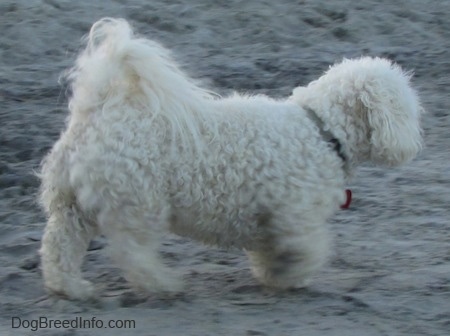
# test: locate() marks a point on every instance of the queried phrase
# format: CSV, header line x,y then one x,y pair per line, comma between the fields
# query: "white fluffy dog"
x,y
146,151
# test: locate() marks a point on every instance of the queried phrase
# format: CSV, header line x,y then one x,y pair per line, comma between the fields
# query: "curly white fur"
x,y
146,151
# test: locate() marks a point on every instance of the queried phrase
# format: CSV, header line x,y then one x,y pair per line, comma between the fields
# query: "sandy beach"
x,y
390,270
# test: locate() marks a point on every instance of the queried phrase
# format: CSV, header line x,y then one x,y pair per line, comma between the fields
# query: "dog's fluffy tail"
x,y
118,67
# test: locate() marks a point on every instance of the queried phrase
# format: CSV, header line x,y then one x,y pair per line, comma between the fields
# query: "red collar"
x,y
346,205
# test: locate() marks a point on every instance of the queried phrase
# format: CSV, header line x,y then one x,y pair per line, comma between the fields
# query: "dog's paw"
x,y
171,285
156,280
73,289
175,285
282,282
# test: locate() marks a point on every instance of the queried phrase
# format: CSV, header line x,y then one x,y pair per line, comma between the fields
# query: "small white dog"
x,y
146,151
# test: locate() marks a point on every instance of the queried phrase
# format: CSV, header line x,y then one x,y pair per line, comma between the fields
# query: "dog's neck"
x,y
328,136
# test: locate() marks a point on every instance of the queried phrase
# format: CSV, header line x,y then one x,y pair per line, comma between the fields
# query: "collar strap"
x,y
326,134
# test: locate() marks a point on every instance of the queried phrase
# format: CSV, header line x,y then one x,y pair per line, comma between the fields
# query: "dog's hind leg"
x,y
290,254
64,244
134,238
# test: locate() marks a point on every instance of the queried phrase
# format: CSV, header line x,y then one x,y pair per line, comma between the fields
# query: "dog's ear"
x,y
393,139
393,114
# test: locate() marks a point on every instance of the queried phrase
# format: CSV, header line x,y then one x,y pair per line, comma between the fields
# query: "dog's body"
x,y
146,152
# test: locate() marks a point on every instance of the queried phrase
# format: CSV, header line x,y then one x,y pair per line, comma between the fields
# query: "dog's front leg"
x,y
289,257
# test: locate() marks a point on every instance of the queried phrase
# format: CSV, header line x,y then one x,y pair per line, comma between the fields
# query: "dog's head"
x,y
372,102
393,110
